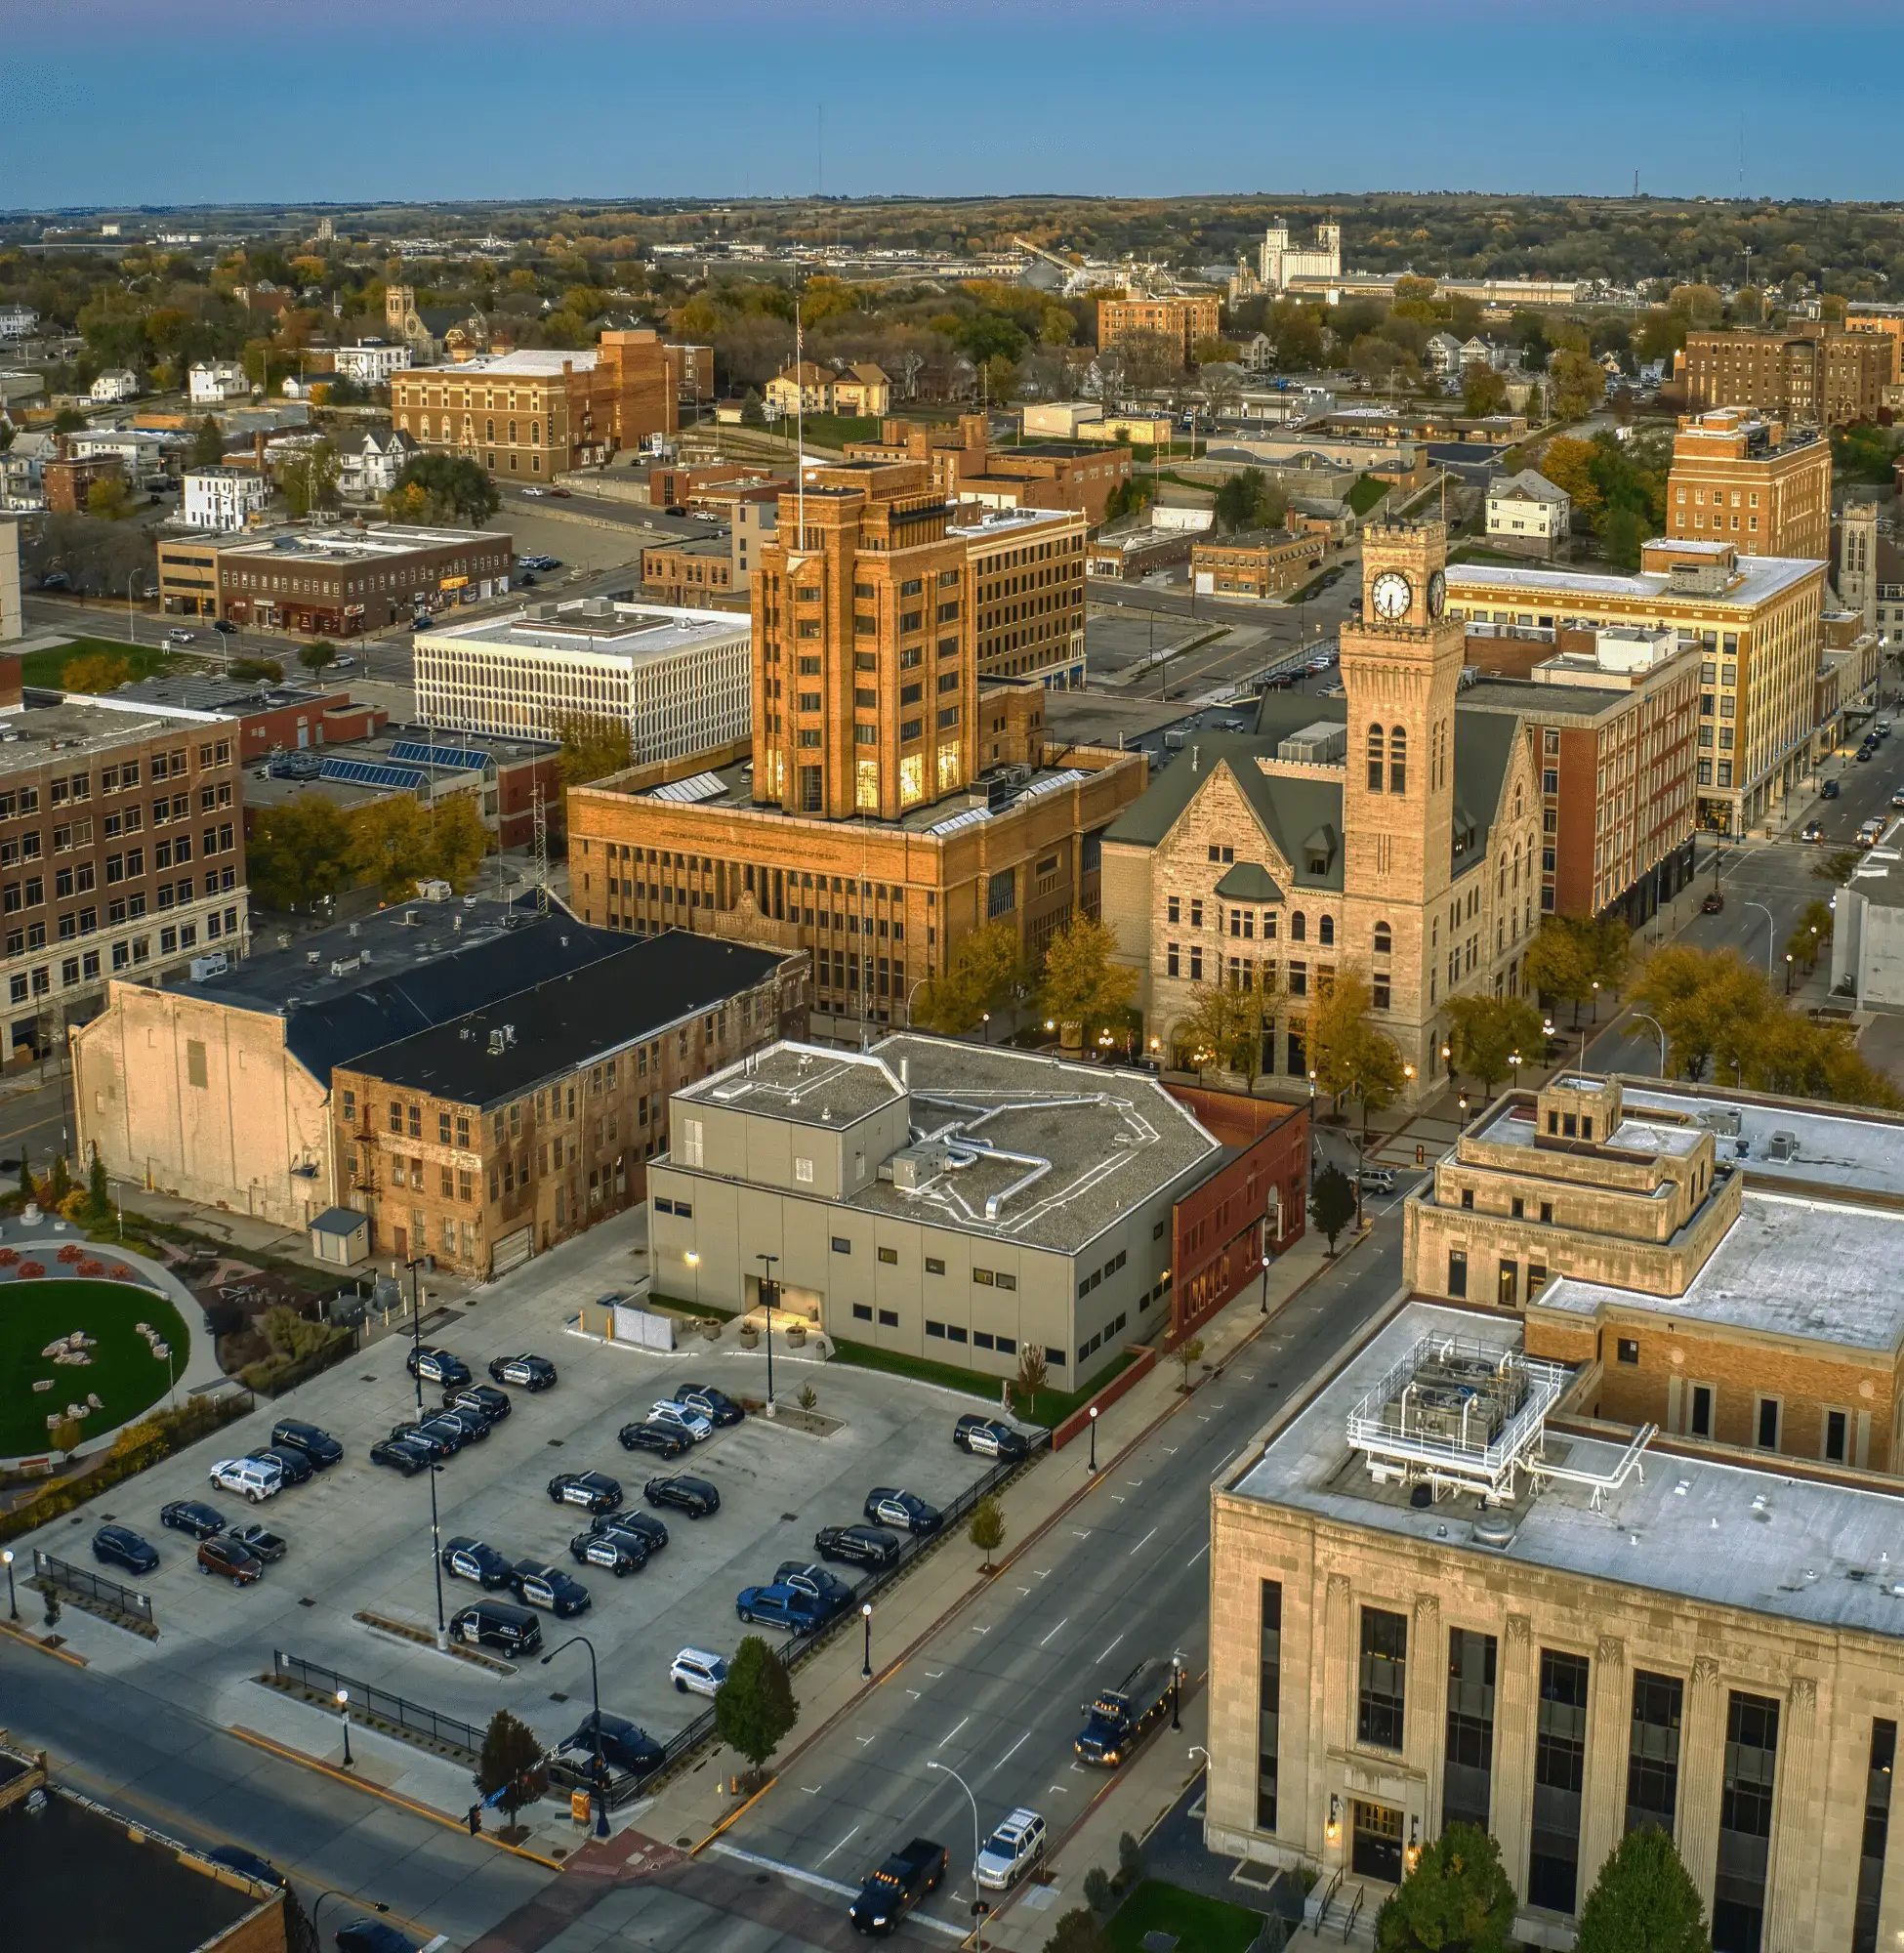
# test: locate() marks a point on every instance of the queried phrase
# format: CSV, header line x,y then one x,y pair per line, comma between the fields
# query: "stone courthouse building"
x,y
1390,831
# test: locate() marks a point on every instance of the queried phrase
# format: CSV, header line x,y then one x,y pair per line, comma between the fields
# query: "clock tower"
x,y
1400,670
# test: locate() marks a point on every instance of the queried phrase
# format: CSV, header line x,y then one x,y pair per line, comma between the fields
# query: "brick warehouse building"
x,y
892,804
494,1135
540,413
1184,319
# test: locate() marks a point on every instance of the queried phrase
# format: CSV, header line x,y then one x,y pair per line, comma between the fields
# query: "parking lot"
x,y
360,1536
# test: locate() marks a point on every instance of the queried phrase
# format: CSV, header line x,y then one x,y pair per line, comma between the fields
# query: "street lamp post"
x,y
1657,1033
1788,973
1093,1438
599,1786
866,1664
427,1263
766,1304
1176,1689
978,1904
1771,931
12,1606
343,1716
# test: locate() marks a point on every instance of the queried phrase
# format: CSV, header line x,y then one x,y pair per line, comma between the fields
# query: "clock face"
x,y
1437,594
1392,596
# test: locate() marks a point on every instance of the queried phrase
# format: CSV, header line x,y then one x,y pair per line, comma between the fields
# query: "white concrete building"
x,y
371,362
681,680
224,498
116,384
19,321
1282,263
1527,511
1057,420
12,623
213,382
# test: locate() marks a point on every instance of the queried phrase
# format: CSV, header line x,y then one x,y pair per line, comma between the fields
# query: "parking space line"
x,y
950,1733
843,1843
1198,1554
1107,1650
1043,1639
1143,1542
1013,1751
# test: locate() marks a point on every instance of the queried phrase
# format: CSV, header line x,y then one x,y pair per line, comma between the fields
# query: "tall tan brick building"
x,y
1394,833
1756,619
1184,320
895,799
1760,485
1822,378
536,414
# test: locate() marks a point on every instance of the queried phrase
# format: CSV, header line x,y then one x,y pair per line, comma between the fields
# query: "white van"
x,y
253,1477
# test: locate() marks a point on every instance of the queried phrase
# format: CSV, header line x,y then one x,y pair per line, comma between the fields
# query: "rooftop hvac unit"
x,y
1322,744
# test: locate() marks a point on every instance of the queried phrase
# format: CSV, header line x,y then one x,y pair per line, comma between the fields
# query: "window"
x,y
937,1329
890,1256
1653,1752
195,1070
1767,1424
1837,1429
935,1265
888,1318
1379,1719
1627,1349
1376,751
1398,760
1456,1274
1002,895
1269,1706
1467,1779
1559,1761
840,1245
803,1172
1877,1836
1745,1821
1383,940
862,1311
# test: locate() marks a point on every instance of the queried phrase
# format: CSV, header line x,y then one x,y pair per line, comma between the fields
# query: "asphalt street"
x,y
996,1694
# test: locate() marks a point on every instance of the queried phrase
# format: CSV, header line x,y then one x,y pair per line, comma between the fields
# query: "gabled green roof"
x,y
1249,882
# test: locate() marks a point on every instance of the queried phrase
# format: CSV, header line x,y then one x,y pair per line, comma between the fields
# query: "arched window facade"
x,y
1326,932
1385,940
1398,760
1298,926
1374,758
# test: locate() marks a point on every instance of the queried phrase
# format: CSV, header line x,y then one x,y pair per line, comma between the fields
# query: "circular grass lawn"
x,y
123,1374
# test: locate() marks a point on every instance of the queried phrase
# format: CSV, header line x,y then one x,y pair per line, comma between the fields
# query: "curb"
x,y
401,1801
17,1633
1031,1538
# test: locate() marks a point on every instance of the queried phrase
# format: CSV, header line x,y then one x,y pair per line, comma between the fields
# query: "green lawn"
x,y
1049,1407
124,1374
1201,1925
833,430
47,667
1365,492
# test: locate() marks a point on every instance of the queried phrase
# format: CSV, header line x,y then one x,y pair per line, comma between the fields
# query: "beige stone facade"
x,y
1401,841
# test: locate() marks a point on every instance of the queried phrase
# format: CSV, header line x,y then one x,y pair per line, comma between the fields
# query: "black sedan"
x,y
532,1373
319,1446
540,1586
485,1399
432,1435
296,1467
623,1745
859,1545
400,1455
614,1552
644,1527
593,1491
989,1437
120,1545
193,1517
665,1440
693,1496
435,1366
474,1425
372,1936
886,1506
472,1560
261,1540
717,1406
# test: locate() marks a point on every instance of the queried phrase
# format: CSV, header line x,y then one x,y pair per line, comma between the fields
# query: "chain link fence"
x,y
91,1585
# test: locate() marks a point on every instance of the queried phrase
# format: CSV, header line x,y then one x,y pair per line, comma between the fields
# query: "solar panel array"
x,y
465,756
700,786
369,774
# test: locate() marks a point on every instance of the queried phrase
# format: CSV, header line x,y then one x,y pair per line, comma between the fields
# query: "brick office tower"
x,y
864,632
1758,484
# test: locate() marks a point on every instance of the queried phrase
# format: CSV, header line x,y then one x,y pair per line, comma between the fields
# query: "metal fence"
x,y
376,1704
624,1788
96,1587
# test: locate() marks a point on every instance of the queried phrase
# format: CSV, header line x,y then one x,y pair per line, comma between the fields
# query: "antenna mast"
x,y
541,852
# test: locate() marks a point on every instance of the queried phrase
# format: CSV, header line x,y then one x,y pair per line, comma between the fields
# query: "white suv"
x,y
1012,1850
696,1671
252,1476
682,1417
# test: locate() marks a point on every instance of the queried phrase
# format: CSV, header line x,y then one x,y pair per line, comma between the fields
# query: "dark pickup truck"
x,y
1121,1717
905,1878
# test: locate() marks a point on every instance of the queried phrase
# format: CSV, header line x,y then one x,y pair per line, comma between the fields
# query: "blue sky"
x,y
110,102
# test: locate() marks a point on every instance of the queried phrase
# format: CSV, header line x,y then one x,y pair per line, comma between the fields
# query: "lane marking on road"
x,y
811,1789
950,1733
804,1877
1198,1554
914,1693
1043,1572
1172,1449
843,1843
1085,1534
1134,1484
1013,1751
1120,1498
983,1630
1043,1639
1143,1542
1107,1650
935,1674
1056,1790
1024,1590
862,1741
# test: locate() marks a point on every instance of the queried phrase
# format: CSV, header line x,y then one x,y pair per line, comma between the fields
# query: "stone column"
x,y
1512,1791
1428,1705
1792,1877
1603,1801
1702,1775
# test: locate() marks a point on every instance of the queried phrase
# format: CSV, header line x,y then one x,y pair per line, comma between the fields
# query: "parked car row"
x,y
470,1410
